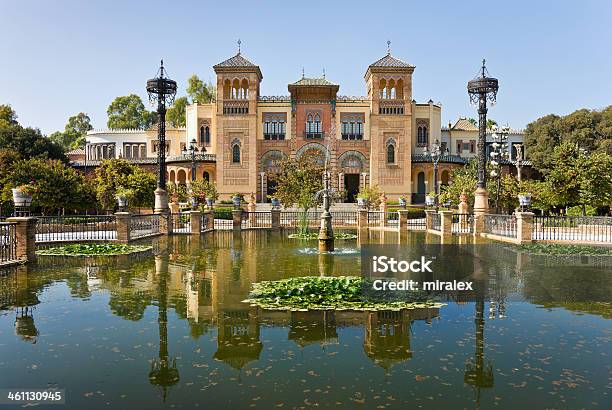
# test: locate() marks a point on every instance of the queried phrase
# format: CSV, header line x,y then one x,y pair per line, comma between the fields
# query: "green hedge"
x,y
223,213
413,213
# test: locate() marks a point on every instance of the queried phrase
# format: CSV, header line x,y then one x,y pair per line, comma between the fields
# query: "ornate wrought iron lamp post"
x,y
434,156
191,152
499,152
162,90
482,89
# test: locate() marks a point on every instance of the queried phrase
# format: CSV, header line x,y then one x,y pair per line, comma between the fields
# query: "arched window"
x,y
207,135
202,134
390,154
206,176
309,124
236,152
317,123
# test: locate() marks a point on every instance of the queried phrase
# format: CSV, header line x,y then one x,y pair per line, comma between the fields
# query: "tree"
x,y
298,181
30,143
113,174
595,180
129,112
176,114
199,91
59,186
8,116
462,180
74,133
586,129
490,123
473,121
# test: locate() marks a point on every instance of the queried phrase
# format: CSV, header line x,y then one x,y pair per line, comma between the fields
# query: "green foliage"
x,y
74,132
563,249
223,213
581,211
298,181
176,114
371,194
199,91
129,112
590,130
58,186
30,143
323,293
94,249
204,189
8,116
113,174
462,180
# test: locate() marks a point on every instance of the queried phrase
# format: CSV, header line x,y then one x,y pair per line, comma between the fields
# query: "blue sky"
x,y
63,57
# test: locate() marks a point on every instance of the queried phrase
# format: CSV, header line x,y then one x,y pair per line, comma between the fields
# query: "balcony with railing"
x,y
314,135
391,107
235,107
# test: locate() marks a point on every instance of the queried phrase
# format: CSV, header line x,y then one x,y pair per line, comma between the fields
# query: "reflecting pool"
x,y
169,330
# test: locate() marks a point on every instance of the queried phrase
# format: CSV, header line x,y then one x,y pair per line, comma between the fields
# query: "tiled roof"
x,y
78,151
313,81
237,61
390,61
463,124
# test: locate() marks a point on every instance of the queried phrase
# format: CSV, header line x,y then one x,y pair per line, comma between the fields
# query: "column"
x,y
122,220
25,232
524,227
196,222
262,177
429,219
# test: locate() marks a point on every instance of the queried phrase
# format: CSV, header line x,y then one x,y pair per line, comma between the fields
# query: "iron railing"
x,y
436,221
416,222
181,223
572,228
142,226
502,225
256,219
313,218
8,242
76,228
224,224
462,223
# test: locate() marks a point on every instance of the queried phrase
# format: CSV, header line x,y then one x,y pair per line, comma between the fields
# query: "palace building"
x,y
376,139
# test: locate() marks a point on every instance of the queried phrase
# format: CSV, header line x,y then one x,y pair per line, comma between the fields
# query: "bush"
x,y
413,213
577,211
223,213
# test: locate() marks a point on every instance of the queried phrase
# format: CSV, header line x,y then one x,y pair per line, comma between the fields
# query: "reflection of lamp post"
x,y
162,90
478,372
481,89
434,156
499,151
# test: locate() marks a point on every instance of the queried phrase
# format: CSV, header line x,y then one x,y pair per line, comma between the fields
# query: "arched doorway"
x,y
352,163
420,188
181,177
445,177
270,162
206,176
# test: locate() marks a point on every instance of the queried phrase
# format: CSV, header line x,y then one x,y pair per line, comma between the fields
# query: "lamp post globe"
x,y
482,89
161,90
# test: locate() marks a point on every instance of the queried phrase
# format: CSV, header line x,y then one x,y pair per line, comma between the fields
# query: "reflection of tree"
x,y
129,303
164,372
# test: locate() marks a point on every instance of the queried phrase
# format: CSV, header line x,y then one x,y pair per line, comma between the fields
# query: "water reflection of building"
x,y
238,337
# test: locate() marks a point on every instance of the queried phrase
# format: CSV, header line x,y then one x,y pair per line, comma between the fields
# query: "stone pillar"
x,y
275,217
237,219
478,224
383,209
251,208
464,209
403,220
165,223
524,227
25,232
209,220
446,222
429,219
161,200
362,219
122,221
196,222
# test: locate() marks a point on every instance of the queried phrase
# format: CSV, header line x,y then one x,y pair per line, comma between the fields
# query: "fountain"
x,y
326,231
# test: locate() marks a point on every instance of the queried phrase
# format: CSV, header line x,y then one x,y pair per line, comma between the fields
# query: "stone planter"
x,y
402,202
275,203
362,202
236,200
524,200
210,202
20,198
430,200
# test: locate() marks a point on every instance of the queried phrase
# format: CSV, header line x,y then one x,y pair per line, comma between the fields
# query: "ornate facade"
x,y
377,139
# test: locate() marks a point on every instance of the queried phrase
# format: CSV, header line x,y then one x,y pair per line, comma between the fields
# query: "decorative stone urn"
x,y
20,198
430,200
362,202
402,202
275,203
236,200
210,202
524,200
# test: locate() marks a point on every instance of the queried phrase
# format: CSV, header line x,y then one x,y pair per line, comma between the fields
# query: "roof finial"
x,y
388,46
302,72
239,43
483,67
323,72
